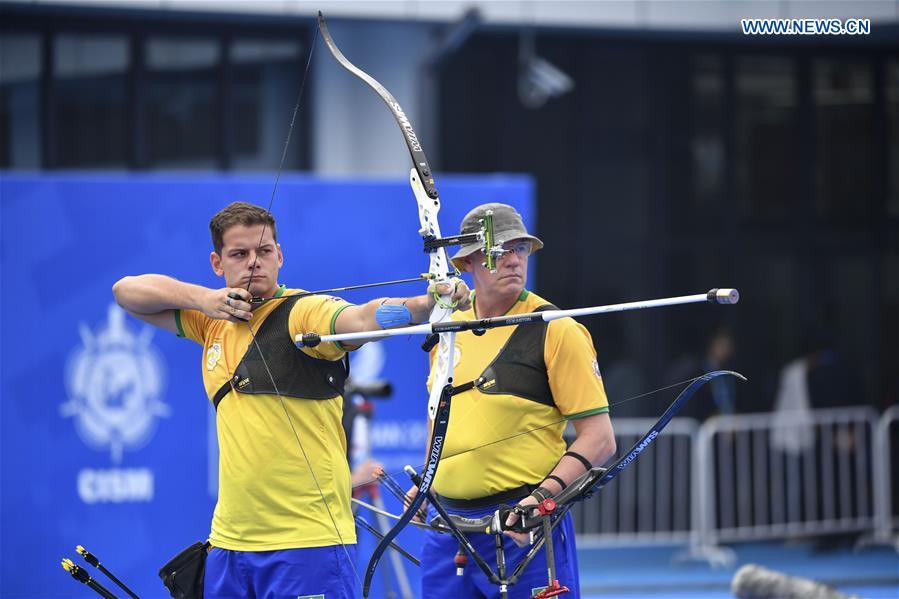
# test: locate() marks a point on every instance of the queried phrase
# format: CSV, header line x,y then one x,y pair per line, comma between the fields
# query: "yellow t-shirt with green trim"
x,y
519,441
268,498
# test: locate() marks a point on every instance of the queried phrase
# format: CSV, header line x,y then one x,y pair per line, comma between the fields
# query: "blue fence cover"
x,y
108,440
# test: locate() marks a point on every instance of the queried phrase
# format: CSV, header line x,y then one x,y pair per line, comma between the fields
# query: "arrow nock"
x,y
88,556
77,572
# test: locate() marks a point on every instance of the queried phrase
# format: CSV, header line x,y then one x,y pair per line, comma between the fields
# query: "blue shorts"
x,y
438,572
313,572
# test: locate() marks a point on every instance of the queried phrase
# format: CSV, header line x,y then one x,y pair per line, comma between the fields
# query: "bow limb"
x,y
650,435
596,478
438,434
428,200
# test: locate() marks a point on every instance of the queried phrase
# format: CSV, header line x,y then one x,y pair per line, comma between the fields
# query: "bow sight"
x,y
485,236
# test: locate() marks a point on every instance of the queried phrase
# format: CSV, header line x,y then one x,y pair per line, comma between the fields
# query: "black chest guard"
x,y
519,368
296,374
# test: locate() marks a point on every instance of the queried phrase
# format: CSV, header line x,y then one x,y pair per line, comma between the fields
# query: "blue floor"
x,y
629,573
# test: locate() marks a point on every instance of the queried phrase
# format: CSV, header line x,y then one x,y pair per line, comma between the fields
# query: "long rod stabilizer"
x,y
714,296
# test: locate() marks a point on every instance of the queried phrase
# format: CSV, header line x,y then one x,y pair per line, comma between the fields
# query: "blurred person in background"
x,y
282,524
536,378
820,379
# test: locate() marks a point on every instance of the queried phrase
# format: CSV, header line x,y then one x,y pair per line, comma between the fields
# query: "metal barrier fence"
x,y
751,477
764,476
650,501
886,486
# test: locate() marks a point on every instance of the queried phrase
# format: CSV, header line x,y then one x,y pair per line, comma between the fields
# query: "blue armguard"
x,y
393,315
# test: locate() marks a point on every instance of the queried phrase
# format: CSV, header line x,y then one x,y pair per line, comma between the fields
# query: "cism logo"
x,y
114,382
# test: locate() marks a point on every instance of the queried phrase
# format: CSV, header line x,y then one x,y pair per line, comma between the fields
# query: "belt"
x,y
511,495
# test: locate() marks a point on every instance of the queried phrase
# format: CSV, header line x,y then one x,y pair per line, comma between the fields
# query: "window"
x,y
20,117
767,148
266,80
845,166
892,108
707,152
181,102
89,107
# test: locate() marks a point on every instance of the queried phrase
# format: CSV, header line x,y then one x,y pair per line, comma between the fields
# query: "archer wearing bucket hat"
x,y
507,226
522,385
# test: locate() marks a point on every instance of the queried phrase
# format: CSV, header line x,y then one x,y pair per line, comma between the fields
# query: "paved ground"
x,y
629,573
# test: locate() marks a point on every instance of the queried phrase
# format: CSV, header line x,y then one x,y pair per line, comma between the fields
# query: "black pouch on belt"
x,y
183,574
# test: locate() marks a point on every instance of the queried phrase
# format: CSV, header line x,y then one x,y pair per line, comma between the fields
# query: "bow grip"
x,y
521,525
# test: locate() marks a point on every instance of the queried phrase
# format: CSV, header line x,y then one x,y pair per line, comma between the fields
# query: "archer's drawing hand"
x,y
229,303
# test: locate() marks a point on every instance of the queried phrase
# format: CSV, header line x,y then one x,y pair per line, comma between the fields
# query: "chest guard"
x,y
519,369
297,374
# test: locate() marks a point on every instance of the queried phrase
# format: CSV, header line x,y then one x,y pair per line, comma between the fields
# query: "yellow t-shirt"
x,y
518,440
268,498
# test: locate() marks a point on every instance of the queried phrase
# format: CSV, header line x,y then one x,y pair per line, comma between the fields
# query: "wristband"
x,y
579,458
558,480
541,494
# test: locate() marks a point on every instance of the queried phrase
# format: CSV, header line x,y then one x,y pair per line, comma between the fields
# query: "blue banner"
x,y
107,438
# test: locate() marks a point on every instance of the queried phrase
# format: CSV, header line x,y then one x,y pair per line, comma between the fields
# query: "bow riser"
x,y
440,268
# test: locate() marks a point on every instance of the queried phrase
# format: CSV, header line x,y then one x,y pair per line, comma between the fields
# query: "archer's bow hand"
x,y
453,293
229,303
525,507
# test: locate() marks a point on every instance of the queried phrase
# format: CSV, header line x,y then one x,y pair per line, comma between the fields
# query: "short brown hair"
x,y
239,213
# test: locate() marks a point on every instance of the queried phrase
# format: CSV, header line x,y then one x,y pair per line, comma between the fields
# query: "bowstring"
x,y
271,201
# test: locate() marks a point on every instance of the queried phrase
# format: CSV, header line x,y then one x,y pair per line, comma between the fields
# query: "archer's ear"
x,y
216,261
465,265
